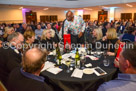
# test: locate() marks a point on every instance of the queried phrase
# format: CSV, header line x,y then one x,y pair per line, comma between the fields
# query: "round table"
x,y
88,82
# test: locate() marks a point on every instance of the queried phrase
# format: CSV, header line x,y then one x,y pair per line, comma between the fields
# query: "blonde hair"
x,y
111,33
44,34
52,33
29,34
7,30
98,33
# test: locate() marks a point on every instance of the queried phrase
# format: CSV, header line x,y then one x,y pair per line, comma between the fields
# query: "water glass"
x,y
106,62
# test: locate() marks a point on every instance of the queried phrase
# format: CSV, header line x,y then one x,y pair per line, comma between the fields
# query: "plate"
x,y
88,71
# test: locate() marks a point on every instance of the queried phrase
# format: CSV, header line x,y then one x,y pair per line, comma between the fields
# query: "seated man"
x,y
27,78
10,57
126,80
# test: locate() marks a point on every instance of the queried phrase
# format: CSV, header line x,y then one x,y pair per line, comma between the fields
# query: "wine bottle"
x,y
67,47
59,56
89,50
77,59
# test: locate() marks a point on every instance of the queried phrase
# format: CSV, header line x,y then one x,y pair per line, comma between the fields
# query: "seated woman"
x,y
8,31
47,40
112,42
97,33
130,36
97,37
29,36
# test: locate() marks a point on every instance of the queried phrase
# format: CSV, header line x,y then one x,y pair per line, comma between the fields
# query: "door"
x,y
31,17
102,17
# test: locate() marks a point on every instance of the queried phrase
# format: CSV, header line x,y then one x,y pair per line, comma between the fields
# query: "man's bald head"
x,y
69,15
33,60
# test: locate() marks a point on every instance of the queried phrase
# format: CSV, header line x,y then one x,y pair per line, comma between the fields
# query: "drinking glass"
x,y
106,62
68,64
83,60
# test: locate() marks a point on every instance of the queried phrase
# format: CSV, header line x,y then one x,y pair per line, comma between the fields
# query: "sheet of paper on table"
x,y
77,73
54,70
99,52
48,65
88,65
92,57
67,55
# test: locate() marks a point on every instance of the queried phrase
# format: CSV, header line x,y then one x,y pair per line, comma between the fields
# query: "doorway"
x,y
31,17
102,15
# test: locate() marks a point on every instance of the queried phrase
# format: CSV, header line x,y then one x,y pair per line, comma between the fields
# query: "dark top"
x,y
104,30
110,42
9,59
23,81
48,44
128,37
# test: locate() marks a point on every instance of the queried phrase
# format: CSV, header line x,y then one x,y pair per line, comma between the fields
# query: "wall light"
x,y
88,9
45,8
129,5
21,8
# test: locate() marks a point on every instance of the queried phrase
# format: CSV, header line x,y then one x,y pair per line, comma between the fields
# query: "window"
x,y
48,18
125,16
86,17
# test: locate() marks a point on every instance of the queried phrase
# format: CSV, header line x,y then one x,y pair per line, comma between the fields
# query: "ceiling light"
x,y
88,9
45,8
129,5
21,8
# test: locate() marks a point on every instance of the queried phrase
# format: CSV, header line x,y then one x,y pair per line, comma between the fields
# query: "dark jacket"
x,y
9,60
104,30
48,44
18,82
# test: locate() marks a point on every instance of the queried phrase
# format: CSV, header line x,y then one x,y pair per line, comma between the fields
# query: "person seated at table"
x,y
130,36
29,28
27,78
97,37
8,31
111,41
29,36
38,32
97,33
56,37
48,40
10,57
126,80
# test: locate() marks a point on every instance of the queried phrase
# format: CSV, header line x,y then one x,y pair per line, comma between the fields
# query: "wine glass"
x,y
68,64
83,61
106,62
105,54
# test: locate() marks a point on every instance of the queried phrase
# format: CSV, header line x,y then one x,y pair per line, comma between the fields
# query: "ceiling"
x,y
58,8
64,3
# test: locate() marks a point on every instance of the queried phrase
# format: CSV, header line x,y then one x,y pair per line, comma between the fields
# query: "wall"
x,y
118,12
59,13
10,15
